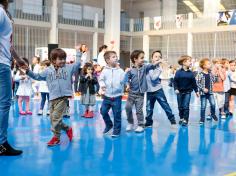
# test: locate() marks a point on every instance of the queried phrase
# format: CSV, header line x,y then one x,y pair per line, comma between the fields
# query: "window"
x,y
72,11
33,7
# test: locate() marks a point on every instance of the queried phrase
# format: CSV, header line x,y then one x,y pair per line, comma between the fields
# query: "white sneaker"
x,y
48,112
129,127
140,129
40,112
174,126
223,116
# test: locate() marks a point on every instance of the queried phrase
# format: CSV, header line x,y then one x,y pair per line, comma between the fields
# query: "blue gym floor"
x,y
209,150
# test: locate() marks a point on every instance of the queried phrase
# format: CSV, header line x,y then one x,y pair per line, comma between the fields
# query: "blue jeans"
x,y
44,96
160,97
204,98
5,100
183,105
115,105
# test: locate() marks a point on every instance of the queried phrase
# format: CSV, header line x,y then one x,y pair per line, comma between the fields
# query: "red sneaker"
x,y
22,113
29,113
89,114
70,134
54,141
85,113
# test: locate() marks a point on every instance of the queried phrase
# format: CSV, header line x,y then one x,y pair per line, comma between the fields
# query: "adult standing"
x,y
101,61
6,54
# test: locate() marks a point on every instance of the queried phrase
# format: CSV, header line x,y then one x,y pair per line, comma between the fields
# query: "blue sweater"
x,y
184,81
59,81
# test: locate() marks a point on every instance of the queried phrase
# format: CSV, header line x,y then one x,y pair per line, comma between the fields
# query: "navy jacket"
x,y
184,81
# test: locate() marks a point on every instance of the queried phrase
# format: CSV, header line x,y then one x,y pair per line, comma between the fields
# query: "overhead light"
x,y
193,7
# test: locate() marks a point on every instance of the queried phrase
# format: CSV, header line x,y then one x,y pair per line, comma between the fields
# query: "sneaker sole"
x,y
54,145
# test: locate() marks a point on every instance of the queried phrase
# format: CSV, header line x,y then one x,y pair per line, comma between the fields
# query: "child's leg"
x,y
116,109
128,108
212,104
226,105
20,100
149,108
47,95
106,105
58,106
27,102
43,99
186,102
139,100
161,98
180,105
203,108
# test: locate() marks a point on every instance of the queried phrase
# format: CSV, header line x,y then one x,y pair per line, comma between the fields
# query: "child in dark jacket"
x,y
184,84
87,87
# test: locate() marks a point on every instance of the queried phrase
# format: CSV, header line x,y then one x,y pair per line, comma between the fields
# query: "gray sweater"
x,y
153,79
59,81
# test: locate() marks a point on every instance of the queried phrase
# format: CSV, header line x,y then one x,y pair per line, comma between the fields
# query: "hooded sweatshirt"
x,y
113,79
59,81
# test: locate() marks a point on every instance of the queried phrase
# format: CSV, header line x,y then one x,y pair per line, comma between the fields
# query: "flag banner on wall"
x,y
226,18
179,21
157,23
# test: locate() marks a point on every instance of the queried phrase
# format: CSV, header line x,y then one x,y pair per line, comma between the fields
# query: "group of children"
x,y
213,83
217,83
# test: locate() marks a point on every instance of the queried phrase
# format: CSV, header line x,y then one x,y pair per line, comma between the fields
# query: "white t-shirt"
x,y
101,61
232,76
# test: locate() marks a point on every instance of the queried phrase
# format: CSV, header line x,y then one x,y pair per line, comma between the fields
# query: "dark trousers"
x,y
226,106
210,98
183,100
44,96
160,97
115,105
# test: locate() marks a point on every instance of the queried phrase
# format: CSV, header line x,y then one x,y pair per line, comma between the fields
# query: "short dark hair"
x,y
183,58
135,54
108,54
232,61
102,47
157,51
58,52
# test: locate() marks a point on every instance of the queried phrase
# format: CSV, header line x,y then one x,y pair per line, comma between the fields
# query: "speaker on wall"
x,y
50,48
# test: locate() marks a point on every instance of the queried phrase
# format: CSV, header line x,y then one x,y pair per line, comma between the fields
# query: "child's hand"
x,y
197,94
127,70
102,90
177,91
206,90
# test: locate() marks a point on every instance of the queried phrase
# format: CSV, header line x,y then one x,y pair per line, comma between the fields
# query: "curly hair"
x,y
86,66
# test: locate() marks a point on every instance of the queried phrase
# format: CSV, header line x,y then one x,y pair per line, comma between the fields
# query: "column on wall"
x,y
54,23
95,38
146,38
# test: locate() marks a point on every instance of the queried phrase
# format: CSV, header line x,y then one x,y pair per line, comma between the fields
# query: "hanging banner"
x,y
157,23
226,18
179,21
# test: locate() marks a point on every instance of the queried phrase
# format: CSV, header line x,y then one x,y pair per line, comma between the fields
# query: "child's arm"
x,y
77,64
198,81
194,84
231,78
37,76
101,81
175,81
155,74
